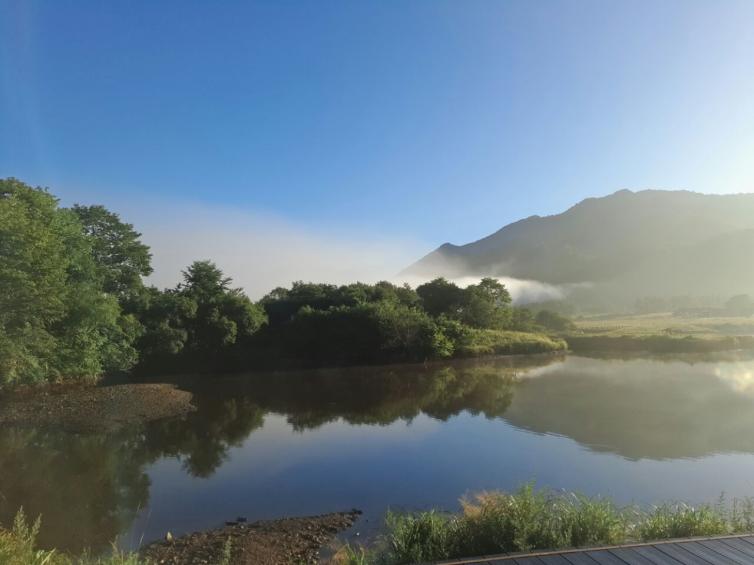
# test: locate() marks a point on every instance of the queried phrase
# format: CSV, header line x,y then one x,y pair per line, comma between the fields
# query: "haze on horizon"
x,y
344,141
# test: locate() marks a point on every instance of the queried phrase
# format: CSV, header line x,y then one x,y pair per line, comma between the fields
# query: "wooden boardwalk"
x,y
725,550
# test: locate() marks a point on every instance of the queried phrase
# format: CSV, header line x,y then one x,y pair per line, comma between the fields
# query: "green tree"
x,y
441,297
553,321
486,305
56,321
118,252
202,323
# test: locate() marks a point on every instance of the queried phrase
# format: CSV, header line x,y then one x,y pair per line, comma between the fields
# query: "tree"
x,y
553,321
487,305
117,250
200,324
441,296
56,321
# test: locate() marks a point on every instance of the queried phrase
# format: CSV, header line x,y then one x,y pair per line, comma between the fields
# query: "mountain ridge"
x,y
627,235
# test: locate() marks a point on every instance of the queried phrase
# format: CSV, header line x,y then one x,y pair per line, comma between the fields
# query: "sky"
x,y
361,135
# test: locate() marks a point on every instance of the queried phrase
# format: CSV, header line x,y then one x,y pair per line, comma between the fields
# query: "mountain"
x,y
652,242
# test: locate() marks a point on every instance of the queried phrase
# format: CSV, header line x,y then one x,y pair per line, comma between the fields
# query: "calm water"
x,y
405,437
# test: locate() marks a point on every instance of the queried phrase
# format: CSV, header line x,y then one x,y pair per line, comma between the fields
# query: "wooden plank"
x,y
630,556
677,552
554,559
719,547
604,557
708,555
723,550
740,545
579,559
656,556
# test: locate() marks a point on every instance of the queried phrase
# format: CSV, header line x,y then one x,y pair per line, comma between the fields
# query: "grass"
x,y
18,546
529,519
662,333
501,342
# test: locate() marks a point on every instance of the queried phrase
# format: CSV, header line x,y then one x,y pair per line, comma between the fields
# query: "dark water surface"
x,y
408,437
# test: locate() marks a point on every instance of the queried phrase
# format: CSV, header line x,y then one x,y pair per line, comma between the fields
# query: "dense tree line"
x,y
73,305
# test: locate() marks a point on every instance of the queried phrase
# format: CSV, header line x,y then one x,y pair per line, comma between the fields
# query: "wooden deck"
x,y
725,550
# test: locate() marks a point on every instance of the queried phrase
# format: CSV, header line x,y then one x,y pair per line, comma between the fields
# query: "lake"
x,y
403,437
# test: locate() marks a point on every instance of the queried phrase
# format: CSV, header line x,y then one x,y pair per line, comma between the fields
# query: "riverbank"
x,y
81,409
267,542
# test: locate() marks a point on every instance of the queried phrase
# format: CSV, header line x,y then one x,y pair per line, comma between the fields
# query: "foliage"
x,y
361,334
681,520
119,254
18,547
482,305
201,324
529,519
350,555
487,305
55,320
441,297
553,321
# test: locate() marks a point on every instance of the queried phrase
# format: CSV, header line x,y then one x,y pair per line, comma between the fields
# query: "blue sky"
x,y
427,120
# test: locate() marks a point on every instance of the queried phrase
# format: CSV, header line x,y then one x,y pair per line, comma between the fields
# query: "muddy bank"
x,y
93,409
268,542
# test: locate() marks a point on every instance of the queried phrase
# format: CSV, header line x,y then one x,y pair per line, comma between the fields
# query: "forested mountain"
x,y
628,243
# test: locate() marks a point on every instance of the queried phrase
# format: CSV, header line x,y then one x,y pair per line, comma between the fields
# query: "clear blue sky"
x,y
438,120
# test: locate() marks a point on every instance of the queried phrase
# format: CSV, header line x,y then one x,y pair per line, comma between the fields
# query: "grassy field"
x,y
665,324
661,333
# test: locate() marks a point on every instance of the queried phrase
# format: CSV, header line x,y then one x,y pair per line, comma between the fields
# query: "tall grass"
x,y
529,519
502,342
18,546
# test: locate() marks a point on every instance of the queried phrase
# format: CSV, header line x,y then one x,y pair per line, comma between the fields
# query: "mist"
x,y
261,252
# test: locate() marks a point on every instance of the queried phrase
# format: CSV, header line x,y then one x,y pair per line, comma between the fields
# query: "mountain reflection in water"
x,y
90,488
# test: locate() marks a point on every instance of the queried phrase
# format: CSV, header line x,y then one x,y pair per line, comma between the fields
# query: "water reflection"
x,y
87,489
90,488
641,408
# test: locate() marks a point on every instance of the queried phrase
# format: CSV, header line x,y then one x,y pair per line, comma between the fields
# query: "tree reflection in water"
x,y
90,488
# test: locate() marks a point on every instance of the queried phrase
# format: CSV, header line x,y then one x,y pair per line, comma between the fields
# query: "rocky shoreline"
x,y
266,542
99,409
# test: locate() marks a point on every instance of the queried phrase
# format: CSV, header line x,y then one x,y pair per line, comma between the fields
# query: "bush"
x,y
680,521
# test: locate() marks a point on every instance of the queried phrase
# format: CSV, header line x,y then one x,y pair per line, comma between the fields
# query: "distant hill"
x,y
628,244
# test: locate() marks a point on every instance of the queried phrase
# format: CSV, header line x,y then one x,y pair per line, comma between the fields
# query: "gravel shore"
x,y
84,409
268,542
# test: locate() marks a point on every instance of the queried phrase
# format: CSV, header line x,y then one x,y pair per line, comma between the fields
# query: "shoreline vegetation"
x,y
529,519
488,523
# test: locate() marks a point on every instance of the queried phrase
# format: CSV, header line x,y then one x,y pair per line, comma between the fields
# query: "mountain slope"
x,y
672,241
